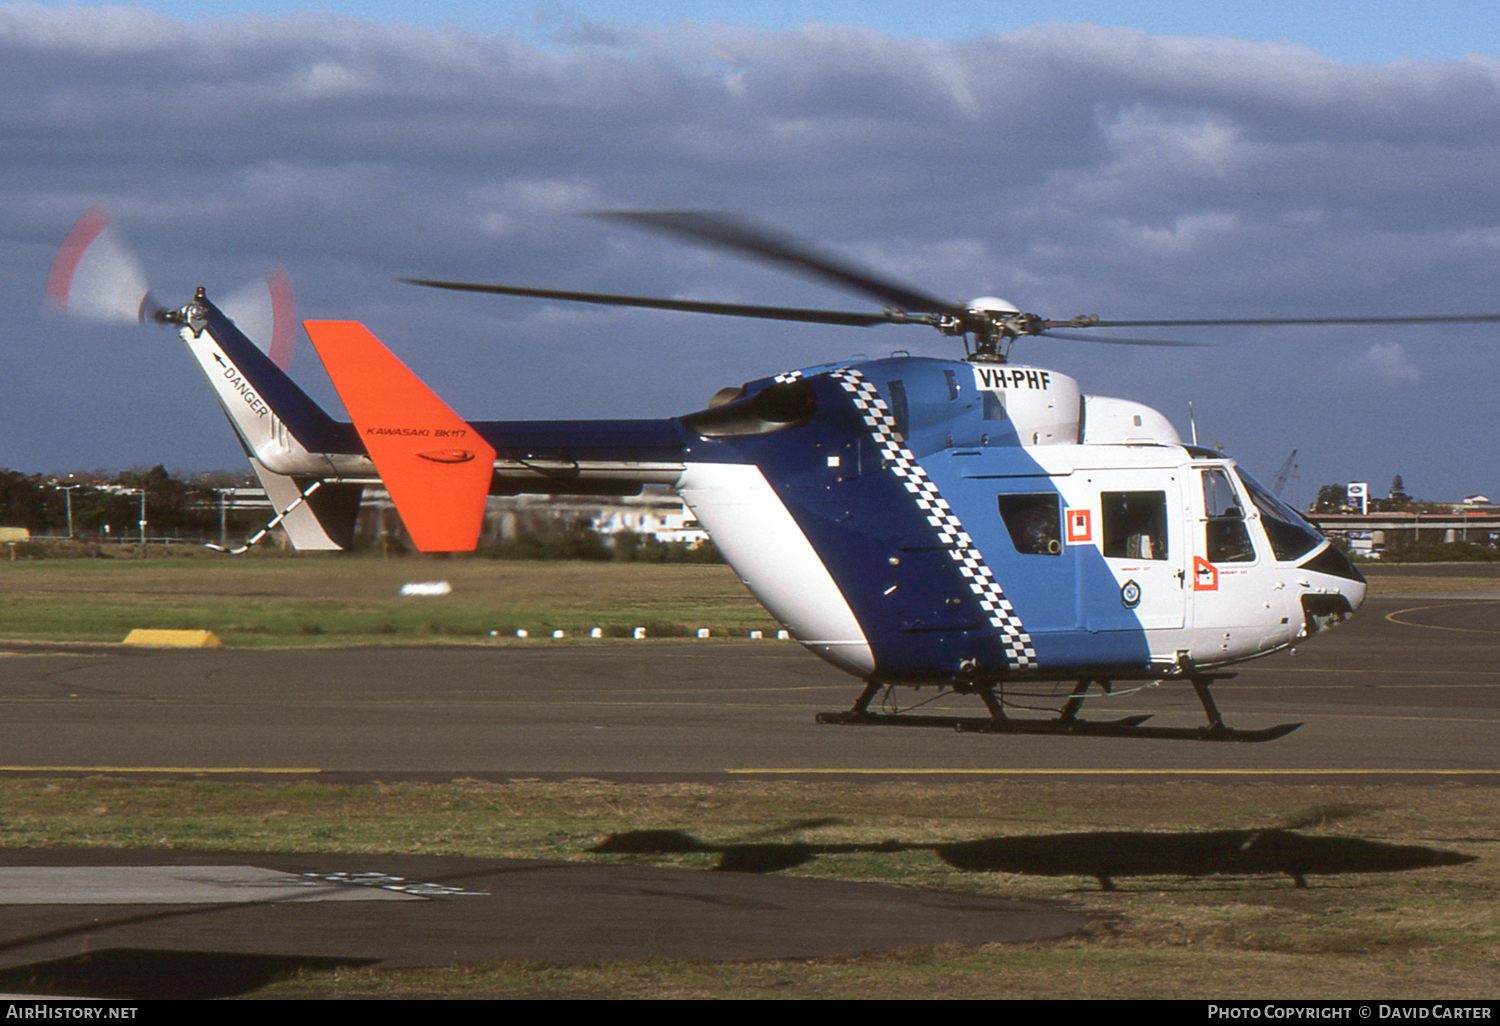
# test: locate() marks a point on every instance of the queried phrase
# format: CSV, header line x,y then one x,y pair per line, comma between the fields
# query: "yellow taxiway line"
x,y
157,769
1125,772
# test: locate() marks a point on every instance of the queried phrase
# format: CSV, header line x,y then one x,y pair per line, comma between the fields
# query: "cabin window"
x,y
1034,523
1134,524
1226,539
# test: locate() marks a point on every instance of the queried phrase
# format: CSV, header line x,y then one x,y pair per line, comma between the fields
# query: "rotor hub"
x,y
993,324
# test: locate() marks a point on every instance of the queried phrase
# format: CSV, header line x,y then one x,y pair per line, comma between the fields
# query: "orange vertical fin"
x,y
436,467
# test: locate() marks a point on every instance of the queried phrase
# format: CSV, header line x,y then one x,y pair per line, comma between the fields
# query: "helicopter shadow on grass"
x,y
1103,855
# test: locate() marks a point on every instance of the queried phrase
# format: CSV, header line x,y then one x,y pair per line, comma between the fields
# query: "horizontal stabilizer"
x,y
435,466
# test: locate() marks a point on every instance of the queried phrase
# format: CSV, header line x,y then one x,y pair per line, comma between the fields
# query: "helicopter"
x,y
972,525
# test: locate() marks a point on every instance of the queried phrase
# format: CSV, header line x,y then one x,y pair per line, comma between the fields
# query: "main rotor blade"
x,y
764,244
1271,321
774,313
1080,337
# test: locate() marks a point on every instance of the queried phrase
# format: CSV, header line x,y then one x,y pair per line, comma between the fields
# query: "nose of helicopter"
x,y
1336,589
1353,591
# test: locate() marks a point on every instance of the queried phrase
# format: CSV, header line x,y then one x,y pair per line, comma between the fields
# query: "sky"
x,y
1132,160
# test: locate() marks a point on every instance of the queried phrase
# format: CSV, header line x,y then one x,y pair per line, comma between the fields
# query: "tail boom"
x,y
437,468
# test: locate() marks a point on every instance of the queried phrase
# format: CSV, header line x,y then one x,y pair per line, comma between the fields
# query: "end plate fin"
x,y
434,464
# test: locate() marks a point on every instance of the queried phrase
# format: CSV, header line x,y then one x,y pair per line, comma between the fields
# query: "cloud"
x,y
1069,168
1385,362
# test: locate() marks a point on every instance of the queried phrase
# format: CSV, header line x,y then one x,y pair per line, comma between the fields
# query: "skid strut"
x,y
1067,722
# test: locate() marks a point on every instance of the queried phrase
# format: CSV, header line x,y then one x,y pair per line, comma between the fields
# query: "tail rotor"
x,y
98,276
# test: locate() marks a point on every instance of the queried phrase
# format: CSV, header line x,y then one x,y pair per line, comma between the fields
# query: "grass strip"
x,y
1432,933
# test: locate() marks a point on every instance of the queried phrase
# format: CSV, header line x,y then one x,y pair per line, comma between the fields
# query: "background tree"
x,y
23,501
1332,498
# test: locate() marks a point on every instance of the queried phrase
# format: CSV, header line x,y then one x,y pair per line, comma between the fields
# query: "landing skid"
x,y
1066,723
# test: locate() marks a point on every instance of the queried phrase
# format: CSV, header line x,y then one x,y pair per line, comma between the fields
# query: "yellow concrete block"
x,y
174,639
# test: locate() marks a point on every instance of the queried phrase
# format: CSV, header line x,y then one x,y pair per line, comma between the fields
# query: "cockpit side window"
x,y
1226,539
1291,537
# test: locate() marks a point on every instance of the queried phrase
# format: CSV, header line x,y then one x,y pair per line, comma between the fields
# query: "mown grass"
x,y
1431,933
339,600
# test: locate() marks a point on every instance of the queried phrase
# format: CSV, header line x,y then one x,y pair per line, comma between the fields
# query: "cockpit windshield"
x,y
1290,535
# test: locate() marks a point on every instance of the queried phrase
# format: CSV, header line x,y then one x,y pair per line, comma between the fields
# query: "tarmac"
x,y
173,924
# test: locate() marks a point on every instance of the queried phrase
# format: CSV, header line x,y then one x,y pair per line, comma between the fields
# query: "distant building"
x,y
657,513
662,515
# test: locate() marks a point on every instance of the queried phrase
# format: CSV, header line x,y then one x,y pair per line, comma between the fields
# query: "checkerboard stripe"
x,y
1019,650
